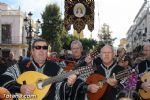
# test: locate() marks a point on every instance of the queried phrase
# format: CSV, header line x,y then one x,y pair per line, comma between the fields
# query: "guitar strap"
x,y
146,70
147,67
108,71
80,61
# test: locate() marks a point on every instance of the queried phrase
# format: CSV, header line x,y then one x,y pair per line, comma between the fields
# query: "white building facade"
x,y
12,32
139,33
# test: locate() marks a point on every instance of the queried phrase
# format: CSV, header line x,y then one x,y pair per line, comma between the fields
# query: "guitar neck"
x,y
57,78
120,75
124,73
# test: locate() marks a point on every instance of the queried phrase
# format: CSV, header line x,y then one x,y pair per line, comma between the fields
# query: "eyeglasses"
x,y
107,52
39,47
146,50
75,48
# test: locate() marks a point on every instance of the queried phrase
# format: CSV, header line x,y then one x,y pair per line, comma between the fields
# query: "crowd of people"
x,y
5,62
114,76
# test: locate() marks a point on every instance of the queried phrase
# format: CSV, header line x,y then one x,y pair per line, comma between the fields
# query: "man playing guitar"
x,y
77,58
80,60
143,70
106,68
37,63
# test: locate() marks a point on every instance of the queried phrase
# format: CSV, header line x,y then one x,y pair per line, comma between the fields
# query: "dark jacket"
x,y
111,92
141,68
8,79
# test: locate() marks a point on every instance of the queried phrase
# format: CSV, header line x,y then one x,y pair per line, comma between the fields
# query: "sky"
x,y
118,14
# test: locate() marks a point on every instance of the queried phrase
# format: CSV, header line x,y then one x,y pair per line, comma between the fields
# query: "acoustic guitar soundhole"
x,y
40,84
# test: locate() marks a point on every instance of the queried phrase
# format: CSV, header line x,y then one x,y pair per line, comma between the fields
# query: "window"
x,y
6,33
145,29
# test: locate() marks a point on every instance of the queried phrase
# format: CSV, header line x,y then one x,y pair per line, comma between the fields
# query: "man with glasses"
x,y
143,68
39,63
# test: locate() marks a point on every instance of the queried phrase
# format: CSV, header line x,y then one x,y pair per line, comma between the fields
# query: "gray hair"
x,y
108,46
37,40
76,42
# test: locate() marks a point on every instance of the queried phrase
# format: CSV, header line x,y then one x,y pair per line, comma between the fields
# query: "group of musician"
x,y
115,77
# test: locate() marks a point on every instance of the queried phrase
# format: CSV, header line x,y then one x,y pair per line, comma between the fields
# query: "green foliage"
x,y
67,41
88,44
105,35
52,26
56,35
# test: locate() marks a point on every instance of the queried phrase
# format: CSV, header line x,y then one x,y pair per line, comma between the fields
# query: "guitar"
x,y
43,82
72,65
144,78
99,79
4,94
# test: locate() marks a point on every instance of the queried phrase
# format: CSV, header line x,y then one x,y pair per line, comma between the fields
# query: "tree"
x,y
88,44
67,41
52,26
104,35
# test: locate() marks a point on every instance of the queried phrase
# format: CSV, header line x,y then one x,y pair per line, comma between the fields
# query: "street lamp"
x,y
29,30
38,25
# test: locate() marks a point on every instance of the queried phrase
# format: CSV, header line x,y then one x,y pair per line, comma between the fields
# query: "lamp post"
x,y
29,29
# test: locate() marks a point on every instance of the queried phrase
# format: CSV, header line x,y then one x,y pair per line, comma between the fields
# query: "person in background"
x,y
142,69
3,65
125,62
77,59
64,56
128,95
54,55
130,81
120,53
11,60
20,59
138,59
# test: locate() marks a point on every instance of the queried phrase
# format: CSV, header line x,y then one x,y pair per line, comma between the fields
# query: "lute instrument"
x,y
5,94
43,83
144,78
99,79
